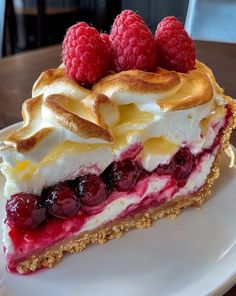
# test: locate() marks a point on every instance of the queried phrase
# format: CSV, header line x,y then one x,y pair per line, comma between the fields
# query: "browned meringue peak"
x,y
138,81
47,77
196,89
62,103
54,81
28,136
136,86
89,105
208,71
85,118
169,89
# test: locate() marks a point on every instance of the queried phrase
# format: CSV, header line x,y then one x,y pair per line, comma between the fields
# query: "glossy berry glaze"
x,y
62,210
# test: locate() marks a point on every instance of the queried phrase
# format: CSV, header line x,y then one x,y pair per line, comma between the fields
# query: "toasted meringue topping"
x,y
55,81
170,90
54,107
196,89
60,103
45,79
119,107
25,138
83,131
136,86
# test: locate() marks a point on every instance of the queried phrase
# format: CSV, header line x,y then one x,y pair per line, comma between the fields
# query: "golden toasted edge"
x,y
76,124
18,139
193,88
23,141
24,145
139,81
116,229
131,80
101,107
202,95
47,77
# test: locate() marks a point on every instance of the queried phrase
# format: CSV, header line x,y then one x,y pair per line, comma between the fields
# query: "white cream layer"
x,y
67,167
176,126
155,184
181,128
124,200
71,165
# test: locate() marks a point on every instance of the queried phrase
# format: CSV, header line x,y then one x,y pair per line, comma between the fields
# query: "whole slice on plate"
x,y
89,164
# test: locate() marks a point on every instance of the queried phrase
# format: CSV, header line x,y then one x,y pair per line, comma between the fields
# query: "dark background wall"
x,y
32,24
153,11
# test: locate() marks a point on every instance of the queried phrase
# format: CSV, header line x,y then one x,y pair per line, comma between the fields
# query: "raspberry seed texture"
x,y
175,49
84,54
132,43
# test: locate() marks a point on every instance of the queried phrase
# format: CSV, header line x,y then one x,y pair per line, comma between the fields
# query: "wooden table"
x,y
18,73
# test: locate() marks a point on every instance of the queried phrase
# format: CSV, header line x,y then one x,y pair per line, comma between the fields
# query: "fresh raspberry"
x,y
175,48
106,39
132,43
84,54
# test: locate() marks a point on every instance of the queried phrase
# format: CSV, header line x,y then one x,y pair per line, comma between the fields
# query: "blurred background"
x,y
30,24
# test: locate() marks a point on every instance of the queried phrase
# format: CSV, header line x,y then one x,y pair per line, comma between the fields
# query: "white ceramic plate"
x,y
195,254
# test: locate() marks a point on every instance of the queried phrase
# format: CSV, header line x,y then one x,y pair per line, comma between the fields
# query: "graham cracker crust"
x,y
116,229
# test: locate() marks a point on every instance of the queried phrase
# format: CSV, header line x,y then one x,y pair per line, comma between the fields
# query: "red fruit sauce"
x,y
183,163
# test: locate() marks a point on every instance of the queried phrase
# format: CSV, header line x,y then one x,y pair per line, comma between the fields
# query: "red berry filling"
x,y
61,201
24,211
27,241
91,190
124,175
65,200
180,166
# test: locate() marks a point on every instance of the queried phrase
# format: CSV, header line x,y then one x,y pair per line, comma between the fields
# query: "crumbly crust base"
x,y
116,229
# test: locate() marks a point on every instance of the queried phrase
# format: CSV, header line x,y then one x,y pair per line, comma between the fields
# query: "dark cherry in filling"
x,y
24,210
27,211
123,176
65,199
61,201
91,190
180,166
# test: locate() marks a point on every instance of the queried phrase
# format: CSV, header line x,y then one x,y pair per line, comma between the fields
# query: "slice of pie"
x,y
88,165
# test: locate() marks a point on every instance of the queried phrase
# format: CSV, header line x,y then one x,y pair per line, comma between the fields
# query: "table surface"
x,y
19,72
